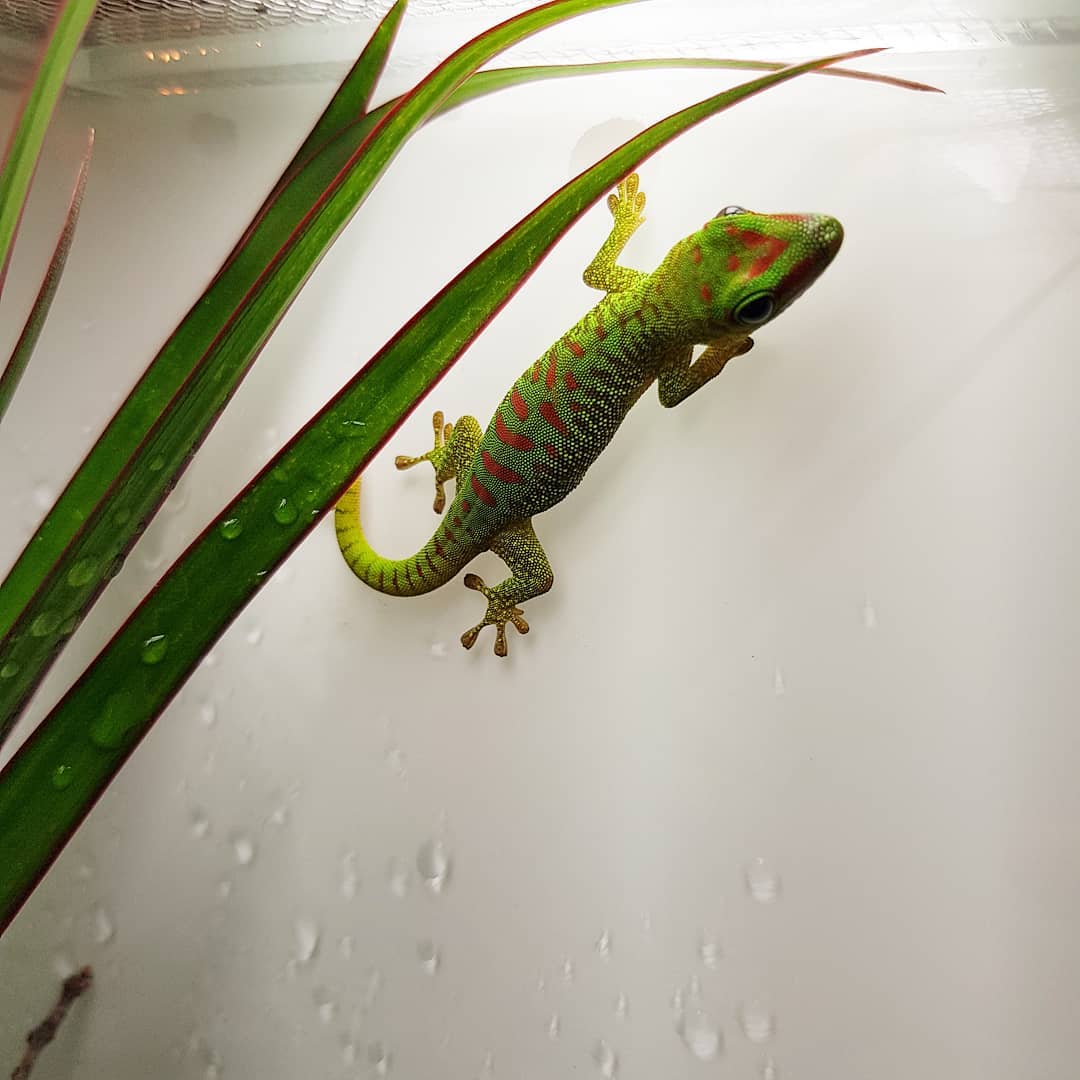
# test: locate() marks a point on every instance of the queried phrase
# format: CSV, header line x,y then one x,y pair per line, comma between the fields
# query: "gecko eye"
x,y
755,311
729,210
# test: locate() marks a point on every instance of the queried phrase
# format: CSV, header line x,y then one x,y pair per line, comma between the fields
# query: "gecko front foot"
x,y
436,456
626,204
499,613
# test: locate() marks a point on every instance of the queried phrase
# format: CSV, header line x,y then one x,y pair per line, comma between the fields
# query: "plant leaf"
x,y
69,760
24,147
127,474
20,355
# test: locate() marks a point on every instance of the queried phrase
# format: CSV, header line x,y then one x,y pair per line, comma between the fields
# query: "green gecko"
x,y
734,275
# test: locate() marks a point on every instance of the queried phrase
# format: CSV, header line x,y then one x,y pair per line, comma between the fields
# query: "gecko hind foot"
x,y
437,457
498,614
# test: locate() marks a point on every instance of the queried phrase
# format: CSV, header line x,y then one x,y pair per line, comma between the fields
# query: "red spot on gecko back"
x,y
439,550
482,492
517,403
466,505
550,451
706,294
550,377
547,411
511,438
419,568
570,381
576,349
499,470
695,254
733,263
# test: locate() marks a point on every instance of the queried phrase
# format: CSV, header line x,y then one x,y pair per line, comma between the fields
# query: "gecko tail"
x,y
429,568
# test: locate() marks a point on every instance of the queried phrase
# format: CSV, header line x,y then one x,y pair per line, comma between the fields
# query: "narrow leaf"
x,y
66,764
128,473
20,356
24,147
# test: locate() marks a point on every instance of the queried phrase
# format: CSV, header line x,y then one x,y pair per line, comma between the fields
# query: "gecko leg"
x,y
530,575
678,378
454,449
626,206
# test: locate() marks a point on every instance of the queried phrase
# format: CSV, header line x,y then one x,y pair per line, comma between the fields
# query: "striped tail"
x,y
434,565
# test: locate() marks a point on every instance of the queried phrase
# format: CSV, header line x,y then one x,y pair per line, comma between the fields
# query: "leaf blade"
x,y
35,321
24,145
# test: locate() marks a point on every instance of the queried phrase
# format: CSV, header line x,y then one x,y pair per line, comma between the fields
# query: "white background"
x,y
822,615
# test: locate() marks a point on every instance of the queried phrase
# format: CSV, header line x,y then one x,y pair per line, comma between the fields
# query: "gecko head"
x,y
743,268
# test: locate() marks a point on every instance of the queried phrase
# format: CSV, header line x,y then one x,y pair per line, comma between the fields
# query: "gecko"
x,y
712,289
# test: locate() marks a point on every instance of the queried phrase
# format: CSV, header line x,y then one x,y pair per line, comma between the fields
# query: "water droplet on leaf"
x,y
231,528
285,513
154,649
45,624
62,777
82,573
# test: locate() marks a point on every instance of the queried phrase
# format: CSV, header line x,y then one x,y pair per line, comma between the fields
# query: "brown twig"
x,y
74,986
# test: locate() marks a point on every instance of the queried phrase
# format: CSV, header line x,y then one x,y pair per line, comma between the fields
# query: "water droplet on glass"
x,y
603,944
378,1058
208,713
154,649
350,879
757,1021
45,624
224,889
709,951
212,1072
395,759
622,1007
439,649
869,616
243,848
397,877
554,1026
326,1007
63,966
9,670
487,1066
374,985
703,1037
347,946
779,689
567,970
606,1060
231,528
427,952
200,824
307,939
254,635
82,573
44,496
104,928
769,1071
762,881
348,1054
433,862
285,513
62,777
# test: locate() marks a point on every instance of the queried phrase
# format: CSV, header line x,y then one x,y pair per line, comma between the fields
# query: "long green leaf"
x,y
24,347
66,764
23,149
85,537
